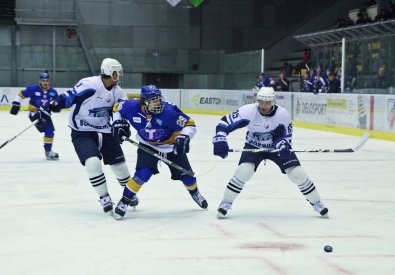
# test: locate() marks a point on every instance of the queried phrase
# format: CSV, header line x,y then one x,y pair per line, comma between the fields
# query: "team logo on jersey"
x,y
261,136
108,99
99,112
151,134
266,126
51,94
37,93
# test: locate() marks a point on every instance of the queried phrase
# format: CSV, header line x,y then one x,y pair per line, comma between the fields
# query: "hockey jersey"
x,y
38,96
264,131
156,130
91,104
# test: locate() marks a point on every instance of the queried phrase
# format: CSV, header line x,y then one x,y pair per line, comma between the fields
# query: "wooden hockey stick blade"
x,y
358,146
203,173
14,137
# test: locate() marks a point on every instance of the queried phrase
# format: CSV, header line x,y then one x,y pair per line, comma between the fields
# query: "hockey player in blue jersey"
x,y
162,128
91,100
270,127
40,96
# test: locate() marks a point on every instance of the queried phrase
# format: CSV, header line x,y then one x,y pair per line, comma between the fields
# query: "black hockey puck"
x,y
328,248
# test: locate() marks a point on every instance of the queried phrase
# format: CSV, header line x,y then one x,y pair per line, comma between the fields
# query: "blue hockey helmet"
x,y
330,70
44,75
153,99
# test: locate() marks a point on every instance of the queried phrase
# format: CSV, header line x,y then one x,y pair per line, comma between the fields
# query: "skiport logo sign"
x,y
310,108
4,99
198,99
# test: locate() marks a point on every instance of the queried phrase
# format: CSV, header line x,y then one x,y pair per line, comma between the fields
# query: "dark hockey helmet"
x,y
153,99
44,75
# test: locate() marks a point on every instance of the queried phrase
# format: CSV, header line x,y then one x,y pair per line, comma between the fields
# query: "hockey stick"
x,y
358,146
165,160
11,139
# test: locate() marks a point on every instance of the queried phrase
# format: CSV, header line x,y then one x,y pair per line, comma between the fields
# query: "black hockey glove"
x,y
120,128
42,115
221,146
16,106
284,149
181,144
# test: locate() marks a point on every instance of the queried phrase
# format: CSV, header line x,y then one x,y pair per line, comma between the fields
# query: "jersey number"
x,y
181,121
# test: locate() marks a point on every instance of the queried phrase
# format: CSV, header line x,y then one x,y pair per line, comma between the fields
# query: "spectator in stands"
x,y
288,67
359,19
369,3
349,22
351,71
340,23
391,12
382,81
381,15
282,84
367,19
387,73
305,60
334,84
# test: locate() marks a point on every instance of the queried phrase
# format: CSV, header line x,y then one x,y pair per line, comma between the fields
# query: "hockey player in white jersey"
x,y
269,126
91,100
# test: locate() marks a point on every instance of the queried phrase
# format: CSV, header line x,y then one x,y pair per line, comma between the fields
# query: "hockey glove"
x,y
221,146
42,115
16,106
284,149
120,128
181,144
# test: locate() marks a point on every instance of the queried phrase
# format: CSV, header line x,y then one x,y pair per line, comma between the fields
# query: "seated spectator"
x,y
334,84
369,3
367,19
349,22
382,81
305,60
340,23
288,67
391,12
359,19
381,15
351,70
282,84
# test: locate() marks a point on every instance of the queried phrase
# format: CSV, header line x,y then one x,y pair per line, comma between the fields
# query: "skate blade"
x,y
52,159
116,216
220,215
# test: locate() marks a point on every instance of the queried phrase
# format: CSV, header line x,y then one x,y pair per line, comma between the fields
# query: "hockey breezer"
x,y
358,146
11,139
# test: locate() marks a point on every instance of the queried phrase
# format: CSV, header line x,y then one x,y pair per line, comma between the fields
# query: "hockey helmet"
x,y
149,94
109,66
266,94
44,75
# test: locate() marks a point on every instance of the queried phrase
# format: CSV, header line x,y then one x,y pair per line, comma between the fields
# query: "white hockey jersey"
x,y
91,104
263,130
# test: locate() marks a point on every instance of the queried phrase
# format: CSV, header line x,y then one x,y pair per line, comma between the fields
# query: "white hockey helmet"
x,y
266,94
109,66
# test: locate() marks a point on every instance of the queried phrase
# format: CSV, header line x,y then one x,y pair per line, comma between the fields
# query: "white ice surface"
x,y
52,223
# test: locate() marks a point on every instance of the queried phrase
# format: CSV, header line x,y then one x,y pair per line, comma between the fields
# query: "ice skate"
x,y
320,208
134,202
120,210
223,209
106,203
200,200
51,155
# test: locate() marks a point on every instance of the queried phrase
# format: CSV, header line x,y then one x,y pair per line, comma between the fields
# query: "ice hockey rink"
x,y
51,221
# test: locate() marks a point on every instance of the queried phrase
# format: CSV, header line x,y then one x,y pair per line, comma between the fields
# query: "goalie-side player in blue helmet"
x,y
40,96
164,129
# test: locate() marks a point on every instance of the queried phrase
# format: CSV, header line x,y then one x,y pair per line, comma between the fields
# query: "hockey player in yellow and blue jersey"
x,y
161,127
40,96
